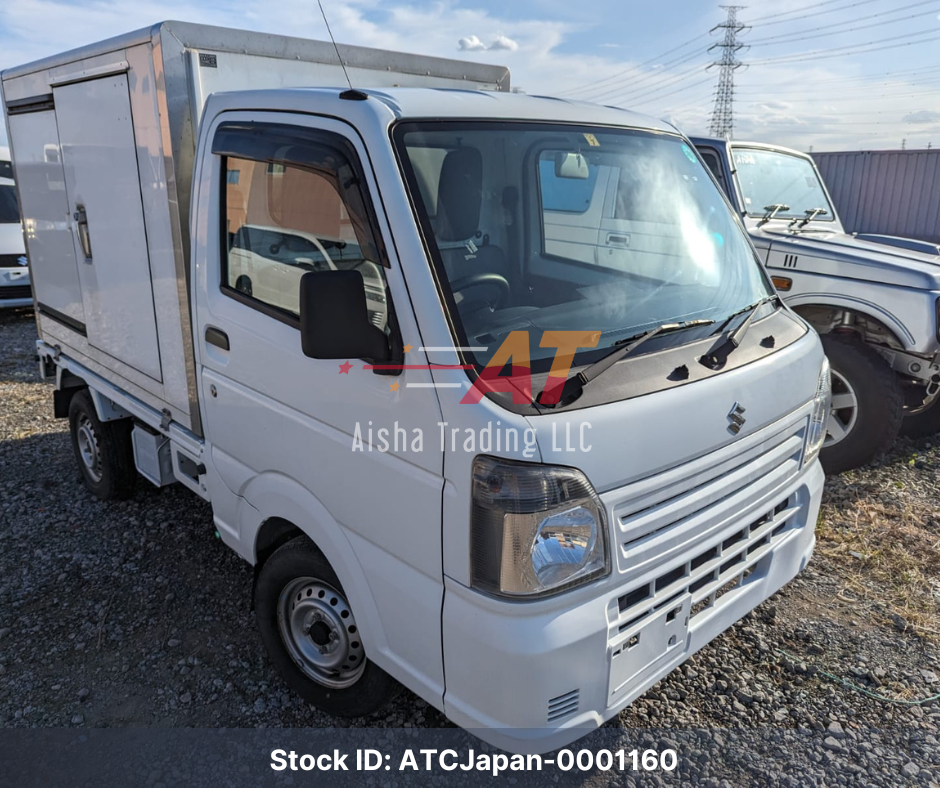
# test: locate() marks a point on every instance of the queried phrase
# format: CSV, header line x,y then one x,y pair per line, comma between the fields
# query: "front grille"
x,y
662,516
713,572
11,260
15,291
563,706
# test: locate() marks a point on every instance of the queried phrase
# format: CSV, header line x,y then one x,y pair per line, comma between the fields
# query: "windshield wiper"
x,y
574,386
772,211
717,357
811,214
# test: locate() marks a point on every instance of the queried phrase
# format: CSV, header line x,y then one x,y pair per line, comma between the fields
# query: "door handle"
x,y
616,239
84,238
217,337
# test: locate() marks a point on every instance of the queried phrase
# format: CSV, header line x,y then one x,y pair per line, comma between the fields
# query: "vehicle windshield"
x,y
769,178
9,208
6,169
547,228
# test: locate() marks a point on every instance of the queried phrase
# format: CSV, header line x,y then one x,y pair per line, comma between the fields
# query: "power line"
x,y
722,123
651,77
629,94
631,69
796,13
805,35
848,49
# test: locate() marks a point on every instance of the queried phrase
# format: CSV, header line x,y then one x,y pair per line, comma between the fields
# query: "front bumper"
x,y
535,676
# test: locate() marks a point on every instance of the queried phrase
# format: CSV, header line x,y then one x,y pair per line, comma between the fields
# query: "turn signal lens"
x,y
782,283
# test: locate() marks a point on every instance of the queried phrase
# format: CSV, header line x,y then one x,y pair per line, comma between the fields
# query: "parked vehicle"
x,y
313,341
875,300
14,271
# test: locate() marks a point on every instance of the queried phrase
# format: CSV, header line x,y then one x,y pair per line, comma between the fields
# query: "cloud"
x,y
922,116
470,44
504,42
500,43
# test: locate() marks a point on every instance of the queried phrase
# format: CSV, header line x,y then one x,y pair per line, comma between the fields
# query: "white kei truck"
x,y
491,389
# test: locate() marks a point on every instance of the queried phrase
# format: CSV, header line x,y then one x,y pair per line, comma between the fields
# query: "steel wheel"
x,y
89,448
319,632
844,412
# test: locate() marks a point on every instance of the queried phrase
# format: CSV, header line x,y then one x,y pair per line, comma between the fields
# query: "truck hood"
x,y
641,437
842,255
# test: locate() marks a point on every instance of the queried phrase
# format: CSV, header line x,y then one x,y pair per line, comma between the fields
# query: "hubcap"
x,y
844,411
88,448
320,633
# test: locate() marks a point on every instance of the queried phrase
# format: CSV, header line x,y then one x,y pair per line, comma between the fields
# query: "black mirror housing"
x,y
334,320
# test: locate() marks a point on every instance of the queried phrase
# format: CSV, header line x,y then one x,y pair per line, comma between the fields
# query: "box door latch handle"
x,y
217,337
83,237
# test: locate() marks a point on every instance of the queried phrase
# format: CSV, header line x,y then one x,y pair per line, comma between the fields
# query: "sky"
x,y
823,75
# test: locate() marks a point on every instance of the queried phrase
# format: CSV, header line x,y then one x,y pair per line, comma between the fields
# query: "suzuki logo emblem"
x,y
736,418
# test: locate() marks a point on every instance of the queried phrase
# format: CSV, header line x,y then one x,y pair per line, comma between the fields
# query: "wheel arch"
x,y
284,509
869,320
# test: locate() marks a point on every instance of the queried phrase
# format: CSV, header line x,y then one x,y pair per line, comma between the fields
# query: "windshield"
x,y
9,209
545,228
6,169
771,178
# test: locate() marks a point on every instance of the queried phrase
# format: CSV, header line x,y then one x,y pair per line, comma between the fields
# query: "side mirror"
x,y
334,320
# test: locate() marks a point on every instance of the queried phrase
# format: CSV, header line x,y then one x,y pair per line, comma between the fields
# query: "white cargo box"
x,y
103,140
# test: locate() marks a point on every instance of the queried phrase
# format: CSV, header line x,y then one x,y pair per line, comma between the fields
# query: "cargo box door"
x,y
103,188
44,206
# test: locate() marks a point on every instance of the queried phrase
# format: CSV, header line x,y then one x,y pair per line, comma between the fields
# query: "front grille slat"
x,y
712,573
656,518
11,292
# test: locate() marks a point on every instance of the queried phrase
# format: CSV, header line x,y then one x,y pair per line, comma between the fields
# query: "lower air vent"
x,y
563,706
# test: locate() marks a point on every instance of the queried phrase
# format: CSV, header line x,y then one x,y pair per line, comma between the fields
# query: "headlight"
x,y
535,529
822,404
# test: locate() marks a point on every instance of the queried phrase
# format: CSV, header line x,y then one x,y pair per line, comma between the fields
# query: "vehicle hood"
x,y
637,438
842,255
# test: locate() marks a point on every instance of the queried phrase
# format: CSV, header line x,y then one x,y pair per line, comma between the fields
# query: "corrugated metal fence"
x,y
891,192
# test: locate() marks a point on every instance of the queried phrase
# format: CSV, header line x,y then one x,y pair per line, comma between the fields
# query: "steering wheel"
x,y
275,248
493,282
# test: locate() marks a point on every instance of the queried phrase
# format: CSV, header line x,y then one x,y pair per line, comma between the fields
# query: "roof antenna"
x,y
352,94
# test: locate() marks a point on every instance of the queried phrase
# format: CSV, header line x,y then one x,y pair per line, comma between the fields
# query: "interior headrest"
x,y
460,194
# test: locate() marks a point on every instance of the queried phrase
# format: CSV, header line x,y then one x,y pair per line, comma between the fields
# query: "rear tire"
x,y
103,450
923,424
868,405
311,634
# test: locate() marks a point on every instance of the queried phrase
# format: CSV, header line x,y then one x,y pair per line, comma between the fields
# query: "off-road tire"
x,y
114,474
300,558
880,404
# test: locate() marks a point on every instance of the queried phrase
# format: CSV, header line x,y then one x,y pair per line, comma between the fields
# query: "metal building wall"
x,y
891,192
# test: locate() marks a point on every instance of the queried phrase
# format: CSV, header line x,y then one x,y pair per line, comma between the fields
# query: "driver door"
x,y
281,427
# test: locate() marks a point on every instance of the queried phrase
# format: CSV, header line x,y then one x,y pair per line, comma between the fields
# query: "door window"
x,y
292,205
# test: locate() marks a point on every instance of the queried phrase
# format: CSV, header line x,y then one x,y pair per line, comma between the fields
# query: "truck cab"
x,y
873,299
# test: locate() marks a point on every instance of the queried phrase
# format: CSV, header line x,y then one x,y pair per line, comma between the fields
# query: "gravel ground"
x,y
134,614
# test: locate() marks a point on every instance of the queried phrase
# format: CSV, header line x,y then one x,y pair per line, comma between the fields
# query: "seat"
x,y
459,203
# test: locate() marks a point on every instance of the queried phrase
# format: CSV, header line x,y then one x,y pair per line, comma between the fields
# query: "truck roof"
x,y
439,103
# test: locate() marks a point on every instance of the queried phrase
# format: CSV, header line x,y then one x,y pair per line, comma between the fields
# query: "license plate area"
x,y
639,648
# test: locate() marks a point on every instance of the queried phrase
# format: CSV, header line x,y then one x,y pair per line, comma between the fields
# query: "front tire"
x,y
104,450
312,637
867,405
